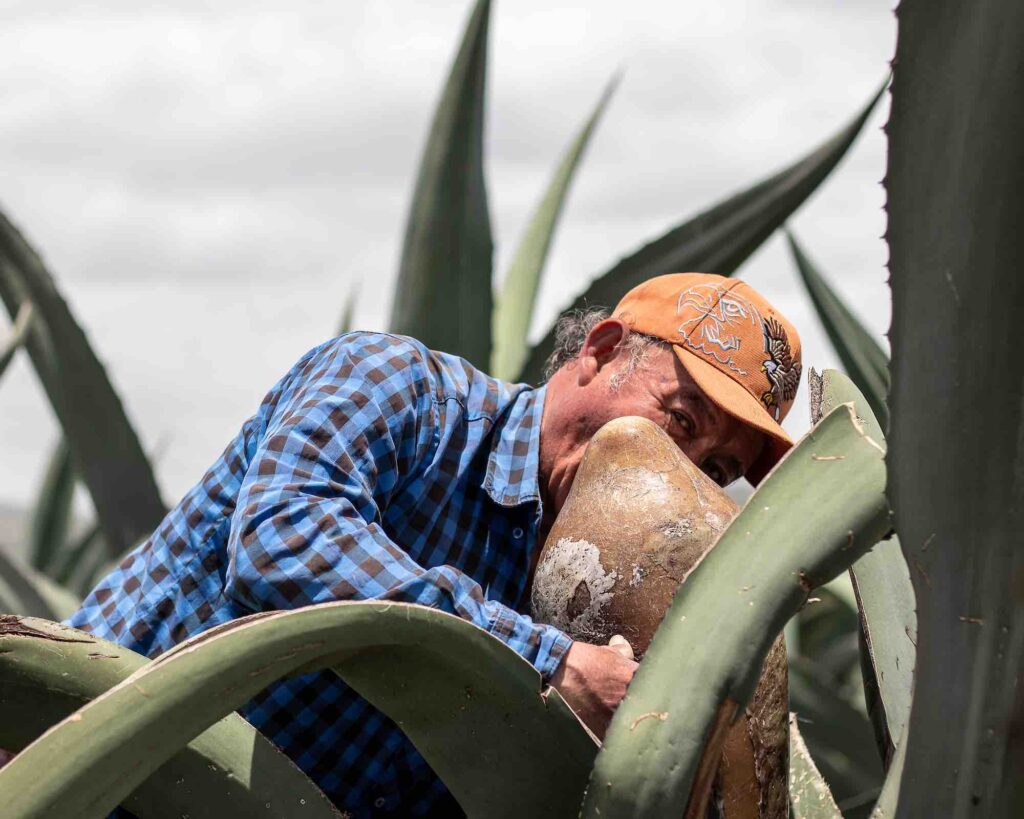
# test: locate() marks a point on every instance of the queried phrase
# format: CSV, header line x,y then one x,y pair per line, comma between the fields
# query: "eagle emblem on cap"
x,y
782,371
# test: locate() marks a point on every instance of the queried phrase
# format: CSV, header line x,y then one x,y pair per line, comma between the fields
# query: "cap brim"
x,y
732,398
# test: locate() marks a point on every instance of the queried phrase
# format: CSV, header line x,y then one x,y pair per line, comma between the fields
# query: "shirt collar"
x,y
512,467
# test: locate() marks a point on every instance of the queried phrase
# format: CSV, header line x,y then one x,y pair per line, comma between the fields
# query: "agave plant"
x,y
445,278
446,269
160,737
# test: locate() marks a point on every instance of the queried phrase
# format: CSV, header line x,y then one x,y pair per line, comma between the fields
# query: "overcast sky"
x,y
209,181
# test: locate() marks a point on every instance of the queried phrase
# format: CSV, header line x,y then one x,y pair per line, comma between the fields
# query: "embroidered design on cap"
x,y
782,372
718,309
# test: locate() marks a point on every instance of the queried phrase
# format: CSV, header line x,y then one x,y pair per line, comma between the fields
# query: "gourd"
x,y
639,517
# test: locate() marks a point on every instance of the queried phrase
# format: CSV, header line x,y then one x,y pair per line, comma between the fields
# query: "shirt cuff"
x,y
554,645
543,646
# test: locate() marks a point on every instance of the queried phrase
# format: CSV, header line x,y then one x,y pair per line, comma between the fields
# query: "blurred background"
x,y
209,185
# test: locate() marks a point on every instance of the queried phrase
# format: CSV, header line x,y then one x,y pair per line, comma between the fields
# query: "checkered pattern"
x,y
375,469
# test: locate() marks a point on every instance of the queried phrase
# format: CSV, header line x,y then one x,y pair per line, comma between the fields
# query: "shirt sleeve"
x,y
307,525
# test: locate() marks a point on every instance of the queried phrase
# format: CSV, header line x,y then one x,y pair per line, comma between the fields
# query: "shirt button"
x,y
517,533
379,802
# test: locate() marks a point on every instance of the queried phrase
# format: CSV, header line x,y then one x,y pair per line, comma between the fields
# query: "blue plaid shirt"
x,y
375,469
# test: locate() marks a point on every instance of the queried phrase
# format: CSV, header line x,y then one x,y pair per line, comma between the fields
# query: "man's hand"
x,y
593,680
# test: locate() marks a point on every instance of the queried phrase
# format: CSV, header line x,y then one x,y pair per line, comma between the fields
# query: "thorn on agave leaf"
x,y
924,574
661,716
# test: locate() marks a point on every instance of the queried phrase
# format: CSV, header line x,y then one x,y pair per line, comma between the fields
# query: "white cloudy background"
x,y
209,181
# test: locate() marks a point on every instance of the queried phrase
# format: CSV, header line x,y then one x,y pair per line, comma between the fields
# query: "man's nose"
x,y
698,451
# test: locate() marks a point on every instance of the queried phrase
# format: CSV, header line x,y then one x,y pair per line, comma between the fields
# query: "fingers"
x,y
621,645
592,679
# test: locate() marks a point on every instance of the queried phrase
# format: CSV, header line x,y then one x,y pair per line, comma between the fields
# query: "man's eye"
x,y
684,421
716,473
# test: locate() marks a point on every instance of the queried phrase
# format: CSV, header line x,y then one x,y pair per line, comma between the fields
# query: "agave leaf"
x,y
95,566
514,307
809,796
47,671
78,566
37,342
956,448
838,734
52,513
791,634
826,625
885,600
841,587
816,512
348,312
864,359
22,325
25,591
504,746
103,442
443,296
18,594
717,240
888,626
885,807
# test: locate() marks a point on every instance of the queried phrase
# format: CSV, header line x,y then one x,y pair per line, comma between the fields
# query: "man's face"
x,y
583,397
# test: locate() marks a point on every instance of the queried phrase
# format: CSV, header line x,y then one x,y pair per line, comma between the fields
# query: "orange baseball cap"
x,y
741,352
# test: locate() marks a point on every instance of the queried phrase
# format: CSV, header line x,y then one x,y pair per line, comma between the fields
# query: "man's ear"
x,y
600,348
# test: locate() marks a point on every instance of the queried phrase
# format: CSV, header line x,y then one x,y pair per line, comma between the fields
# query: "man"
x,y
379,469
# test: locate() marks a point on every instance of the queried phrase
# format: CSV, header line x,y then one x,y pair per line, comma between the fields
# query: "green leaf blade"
x,y
885,598
103,441
82,563
514,308
717,240
345,324
47,671
51,514
809,796
443,295
864,359
956,447
19,334
476,687
25,591
838,734
885,807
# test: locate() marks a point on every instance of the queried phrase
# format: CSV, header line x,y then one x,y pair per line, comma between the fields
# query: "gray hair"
x,y
572,330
